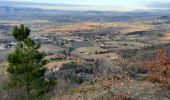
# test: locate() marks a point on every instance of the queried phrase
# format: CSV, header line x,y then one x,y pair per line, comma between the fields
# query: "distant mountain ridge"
x,y
164,17
17,9
10,12
115,13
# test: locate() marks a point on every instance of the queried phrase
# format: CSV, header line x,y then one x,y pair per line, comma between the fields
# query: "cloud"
x,y
159,5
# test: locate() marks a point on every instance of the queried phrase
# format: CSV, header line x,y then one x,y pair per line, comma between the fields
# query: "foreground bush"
x,y
160,67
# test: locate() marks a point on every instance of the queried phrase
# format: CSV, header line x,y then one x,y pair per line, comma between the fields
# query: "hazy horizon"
x,y
100,5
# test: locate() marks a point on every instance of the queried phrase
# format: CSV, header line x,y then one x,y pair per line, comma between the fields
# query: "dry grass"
x,y
59,64
123,88
89,50
166,37
56,65
123,27
82,27
135,27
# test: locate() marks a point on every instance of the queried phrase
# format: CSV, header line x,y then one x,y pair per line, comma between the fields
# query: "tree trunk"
x,y
28,90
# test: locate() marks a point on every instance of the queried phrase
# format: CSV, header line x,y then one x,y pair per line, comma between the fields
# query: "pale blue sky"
x,y
121,5
98,2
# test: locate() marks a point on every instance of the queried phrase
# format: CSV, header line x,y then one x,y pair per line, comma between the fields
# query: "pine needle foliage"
x,y
26,64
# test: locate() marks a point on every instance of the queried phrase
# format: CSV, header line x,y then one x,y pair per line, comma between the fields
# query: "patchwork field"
x,y
4,54
91,55
166,37
89,50
123,27
128,43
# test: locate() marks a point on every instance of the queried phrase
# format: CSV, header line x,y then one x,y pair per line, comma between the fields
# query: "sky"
x,y
119,5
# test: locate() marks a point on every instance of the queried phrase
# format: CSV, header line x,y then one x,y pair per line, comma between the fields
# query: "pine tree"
x,y
26,64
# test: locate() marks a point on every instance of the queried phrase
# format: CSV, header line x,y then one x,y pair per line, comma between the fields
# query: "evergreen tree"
x,y
26,64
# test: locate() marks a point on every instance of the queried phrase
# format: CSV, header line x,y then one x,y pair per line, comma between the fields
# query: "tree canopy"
x,y
26,64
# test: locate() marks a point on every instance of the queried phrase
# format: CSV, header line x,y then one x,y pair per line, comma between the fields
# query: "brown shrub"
x,y
160,68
